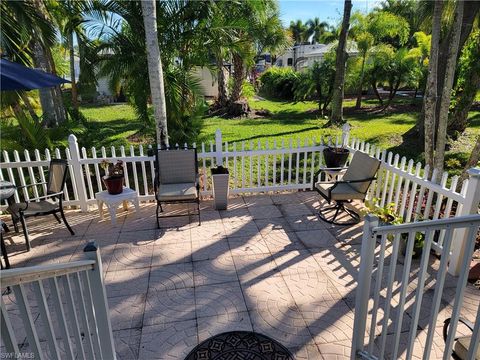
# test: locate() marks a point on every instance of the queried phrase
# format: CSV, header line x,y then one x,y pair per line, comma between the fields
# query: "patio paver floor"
x,y
267,264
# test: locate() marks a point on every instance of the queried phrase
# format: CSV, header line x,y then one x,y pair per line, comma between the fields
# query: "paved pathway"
x,y
267,264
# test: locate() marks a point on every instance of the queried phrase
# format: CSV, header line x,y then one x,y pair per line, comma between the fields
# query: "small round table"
x,y
112,202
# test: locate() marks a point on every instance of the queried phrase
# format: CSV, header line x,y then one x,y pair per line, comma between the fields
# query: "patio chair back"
x,y
177,166
57,175
362,166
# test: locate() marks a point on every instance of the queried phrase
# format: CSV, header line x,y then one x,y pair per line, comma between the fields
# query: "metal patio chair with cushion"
x,y
177,180
461,344
352,186
49,204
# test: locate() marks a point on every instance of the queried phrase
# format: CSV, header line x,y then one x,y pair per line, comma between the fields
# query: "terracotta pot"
x,y
114,184
335,157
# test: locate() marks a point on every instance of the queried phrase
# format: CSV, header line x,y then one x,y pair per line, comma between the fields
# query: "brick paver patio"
x,y
267,264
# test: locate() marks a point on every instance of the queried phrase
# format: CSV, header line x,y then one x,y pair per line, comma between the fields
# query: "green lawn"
x,y
114,125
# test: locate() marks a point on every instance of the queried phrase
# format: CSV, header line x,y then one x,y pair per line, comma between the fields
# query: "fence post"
x,y
362,295
472,199
78,172
218,147
100,303
345,134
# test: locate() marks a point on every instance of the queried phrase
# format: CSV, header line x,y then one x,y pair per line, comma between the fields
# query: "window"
x,y
289,61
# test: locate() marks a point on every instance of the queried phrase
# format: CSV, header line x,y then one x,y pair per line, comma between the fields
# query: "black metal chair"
x,y
176,179
50,204
353,186
461,344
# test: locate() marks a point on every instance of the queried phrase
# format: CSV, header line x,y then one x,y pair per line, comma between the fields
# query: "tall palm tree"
x,y
316,29
430,98
298,30
336,117
155,72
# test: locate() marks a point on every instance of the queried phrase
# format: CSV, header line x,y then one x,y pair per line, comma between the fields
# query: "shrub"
x,y
278,82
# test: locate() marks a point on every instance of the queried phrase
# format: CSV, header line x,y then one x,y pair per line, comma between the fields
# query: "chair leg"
x,y
198,209
25,231
156,212
65,221
58,219
339,207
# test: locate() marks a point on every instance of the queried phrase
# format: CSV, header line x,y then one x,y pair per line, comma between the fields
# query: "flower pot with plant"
x,y
114,176
387,216
335,157
220,179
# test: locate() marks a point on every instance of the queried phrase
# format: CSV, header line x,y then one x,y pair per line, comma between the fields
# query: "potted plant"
x,y
220,178
387,216
335,157
114,176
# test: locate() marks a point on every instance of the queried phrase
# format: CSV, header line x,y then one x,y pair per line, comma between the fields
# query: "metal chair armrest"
x,y
57,194
356,180
30,185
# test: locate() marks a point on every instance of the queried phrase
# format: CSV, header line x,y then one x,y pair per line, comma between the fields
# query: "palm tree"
x,y
298,30
430,98
155,72
338,85
316,29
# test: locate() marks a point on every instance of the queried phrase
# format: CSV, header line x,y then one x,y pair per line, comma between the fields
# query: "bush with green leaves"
x,y
278,82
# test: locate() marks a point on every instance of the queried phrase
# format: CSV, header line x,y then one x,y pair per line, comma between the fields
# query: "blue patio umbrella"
x,y
18,77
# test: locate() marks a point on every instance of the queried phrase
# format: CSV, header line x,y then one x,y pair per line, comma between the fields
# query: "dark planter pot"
x,y
417,248
335,157
114,184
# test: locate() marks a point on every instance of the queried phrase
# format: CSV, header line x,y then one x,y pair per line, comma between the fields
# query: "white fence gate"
x,y
63,309
389,280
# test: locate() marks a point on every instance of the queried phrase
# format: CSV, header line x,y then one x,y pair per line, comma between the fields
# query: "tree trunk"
x,y
358,105
222,83
430,96
459,119
337,101
377,94
72,71
472,161
238,77
471,9
155,71
439,157
50,98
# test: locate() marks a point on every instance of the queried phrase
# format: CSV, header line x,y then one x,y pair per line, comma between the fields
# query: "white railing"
x,y
70,300
392,283
259,166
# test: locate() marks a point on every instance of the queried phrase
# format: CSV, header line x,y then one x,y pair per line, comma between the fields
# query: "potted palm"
x,y
220,178
335,157
113,178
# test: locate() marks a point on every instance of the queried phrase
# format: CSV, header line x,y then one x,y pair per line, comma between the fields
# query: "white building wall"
x,y
207,81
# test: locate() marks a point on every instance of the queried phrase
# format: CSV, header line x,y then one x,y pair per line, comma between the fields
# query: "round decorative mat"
x,y
240,345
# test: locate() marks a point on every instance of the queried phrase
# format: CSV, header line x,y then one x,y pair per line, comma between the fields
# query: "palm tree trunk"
x,y
338,89
222,83
72,71
358,105
447,88
155,71
238,77
430,97
377,94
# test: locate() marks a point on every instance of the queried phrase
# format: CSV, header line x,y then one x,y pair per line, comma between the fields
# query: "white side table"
x,y
112,202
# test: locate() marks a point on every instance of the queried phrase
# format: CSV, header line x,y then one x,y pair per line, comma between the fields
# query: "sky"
x,y
327,10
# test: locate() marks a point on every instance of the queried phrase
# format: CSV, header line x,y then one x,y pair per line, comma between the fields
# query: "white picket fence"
x,y
63,310
388,288
258,166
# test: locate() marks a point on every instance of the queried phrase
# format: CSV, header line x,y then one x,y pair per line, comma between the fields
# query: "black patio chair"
x,y
49,204
461,344
177,180
353,185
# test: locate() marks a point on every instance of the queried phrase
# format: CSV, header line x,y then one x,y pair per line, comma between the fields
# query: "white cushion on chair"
x,y
175,192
